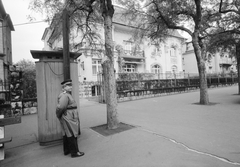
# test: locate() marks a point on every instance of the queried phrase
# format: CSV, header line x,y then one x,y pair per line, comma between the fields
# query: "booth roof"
x,y
39,54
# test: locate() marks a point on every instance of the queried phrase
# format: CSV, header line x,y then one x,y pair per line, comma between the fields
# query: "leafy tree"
x,y
227,32
85,17
195,17
28,78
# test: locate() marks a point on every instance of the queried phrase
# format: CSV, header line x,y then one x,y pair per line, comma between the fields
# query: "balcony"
x,y
133,54
226,61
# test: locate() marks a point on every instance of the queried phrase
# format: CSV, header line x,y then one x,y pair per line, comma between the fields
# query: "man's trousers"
x,y
70,145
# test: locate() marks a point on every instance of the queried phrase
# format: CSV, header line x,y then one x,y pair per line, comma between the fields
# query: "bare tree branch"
x,y
168,22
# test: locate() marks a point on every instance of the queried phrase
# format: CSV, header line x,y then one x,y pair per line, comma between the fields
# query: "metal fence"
x,y
10,106
147,76
149,84
169,75
141,82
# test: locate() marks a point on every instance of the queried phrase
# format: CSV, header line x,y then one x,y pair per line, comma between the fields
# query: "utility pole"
x,y
66,54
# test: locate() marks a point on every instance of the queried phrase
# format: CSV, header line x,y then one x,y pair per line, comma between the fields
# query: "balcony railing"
x,y
130,53
226,61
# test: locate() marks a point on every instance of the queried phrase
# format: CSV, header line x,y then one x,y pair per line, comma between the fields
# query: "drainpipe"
x,y
2,32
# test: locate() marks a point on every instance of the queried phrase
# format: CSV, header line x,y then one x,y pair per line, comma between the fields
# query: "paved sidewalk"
x,y
170,131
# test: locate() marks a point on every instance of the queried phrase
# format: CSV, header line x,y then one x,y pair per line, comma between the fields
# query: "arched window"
x,y
209,58
174,69
173,52
156,69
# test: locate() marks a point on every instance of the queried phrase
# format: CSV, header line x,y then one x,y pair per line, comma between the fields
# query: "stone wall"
x,y
85,88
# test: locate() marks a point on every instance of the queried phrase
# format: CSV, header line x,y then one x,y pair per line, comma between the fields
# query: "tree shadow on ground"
x,y
210,104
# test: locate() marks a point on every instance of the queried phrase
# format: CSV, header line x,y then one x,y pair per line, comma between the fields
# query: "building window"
x,y
174,69
156,69
128,46
156,51
129,68
173,51
96,66
209,58
210,69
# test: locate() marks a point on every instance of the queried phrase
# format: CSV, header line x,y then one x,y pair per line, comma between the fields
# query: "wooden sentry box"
x,y
49,75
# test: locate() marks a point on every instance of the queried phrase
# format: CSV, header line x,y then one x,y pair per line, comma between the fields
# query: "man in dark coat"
x,y
68,116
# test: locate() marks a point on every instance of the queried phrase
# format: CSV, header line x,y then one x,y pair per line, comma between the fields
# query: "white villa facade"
x,y
148,58
216,63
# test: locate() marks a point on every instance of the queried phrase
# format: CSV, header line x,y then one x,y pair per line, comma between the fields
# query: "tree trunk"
x,y
108,67
204,99
110,90
200,56
238,64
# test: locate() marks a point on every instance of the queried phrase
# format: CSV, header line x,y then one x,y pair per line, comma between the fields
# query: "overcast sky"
x,y
26,37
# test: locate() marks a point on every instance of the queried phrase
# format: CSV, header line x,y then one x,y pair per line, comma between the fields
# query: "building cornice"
x,y
6,17
188,52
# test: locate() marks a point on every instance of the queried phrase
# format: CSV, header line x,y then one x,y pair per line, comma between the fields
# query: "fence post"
x,y
175,81
210,80
138,80
226,82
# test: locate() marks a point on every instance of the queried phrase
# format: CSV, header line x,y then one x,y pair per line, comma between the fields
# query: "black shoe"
x,y
66,153
79,154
